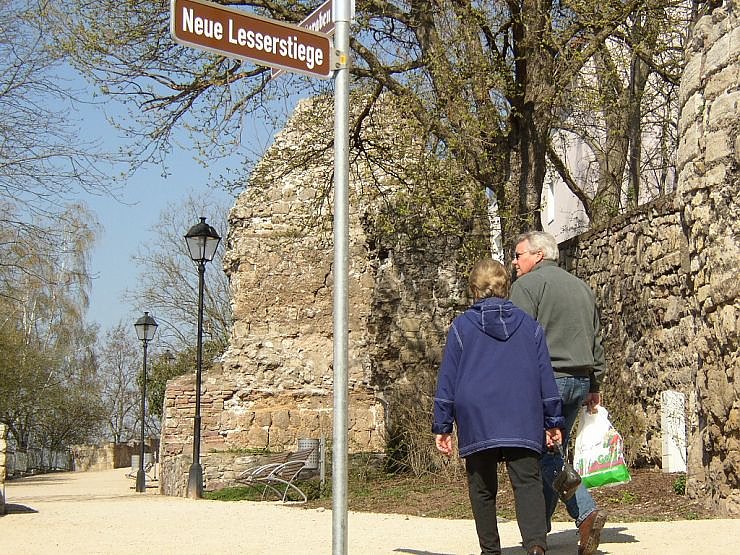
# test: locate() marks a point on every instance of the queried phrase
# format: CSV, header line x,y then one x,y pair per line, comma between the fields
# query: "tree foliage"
x,y
489,82
48,395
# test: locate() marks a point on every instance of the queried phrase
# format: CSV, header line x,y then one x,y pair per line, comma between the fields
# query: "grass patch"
x,y
624,498
236,493
311,488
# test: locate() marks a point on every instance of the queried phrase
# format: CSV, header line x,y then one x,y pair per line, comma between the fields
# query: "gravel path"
x,y
99,512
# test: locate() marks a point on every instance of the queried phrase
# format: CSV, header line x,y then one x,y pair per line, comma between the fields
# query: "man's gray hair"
x,y
541,241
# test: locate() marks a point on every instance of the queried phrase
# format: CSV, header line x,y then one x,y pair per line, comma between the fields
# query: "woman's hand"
x,y
553,436
444,443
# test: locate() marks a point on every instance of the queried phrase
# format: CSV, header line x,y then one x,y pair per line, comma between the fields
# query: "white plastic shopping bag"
x,y
599,453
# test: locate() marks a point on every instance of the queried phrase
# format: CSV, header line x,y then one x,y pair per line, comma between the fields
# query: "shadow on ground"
x,y
15,509
559,543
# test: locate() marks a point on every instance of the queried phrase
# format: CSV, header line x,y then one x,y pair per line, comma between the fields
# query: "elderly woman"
x,y
496,385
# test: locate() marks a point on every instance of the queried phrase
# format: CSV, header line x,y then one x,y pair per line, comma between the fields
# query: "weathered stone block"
x,y
719,54
689,147
718,145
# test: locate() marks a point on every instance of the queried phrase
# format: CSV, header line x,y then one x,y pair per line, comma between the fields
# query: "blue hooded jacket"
x,y
495,381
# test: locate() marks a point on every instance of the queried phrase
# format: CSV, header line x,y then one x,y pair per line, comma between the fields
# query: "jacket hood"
x,y
495,317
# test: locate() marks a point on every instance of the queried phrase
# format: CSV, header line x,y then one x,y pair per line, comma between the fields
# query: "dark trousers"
x,y
523,466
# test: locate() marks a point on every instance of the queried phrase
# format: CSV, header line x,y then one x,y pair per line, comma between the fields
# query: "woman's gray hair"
x,y
541,241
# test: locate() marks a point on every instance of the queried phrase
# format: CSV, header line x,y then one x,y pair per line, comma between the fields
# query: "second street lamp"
x,y
145,328
202,241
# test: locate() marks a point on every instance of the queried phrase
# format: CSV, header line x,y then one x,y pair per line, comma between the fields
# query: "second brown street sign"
x,y
234,33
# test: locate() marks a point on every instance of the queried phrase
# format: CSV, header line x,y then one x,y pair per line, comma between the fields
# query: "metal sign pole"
x,y
342,17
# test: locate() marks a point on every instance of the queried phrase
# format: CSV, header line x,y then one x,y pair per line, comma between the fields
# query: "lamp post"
x,y
145,328
202,241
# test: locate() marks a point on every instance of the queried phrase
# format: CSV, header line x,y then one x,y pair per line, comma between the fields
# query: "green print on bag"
x,y
599,453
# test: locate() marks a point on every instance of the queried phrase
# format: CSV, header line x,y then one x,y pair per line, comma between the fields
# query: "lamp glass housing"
x,y
146,326
202,240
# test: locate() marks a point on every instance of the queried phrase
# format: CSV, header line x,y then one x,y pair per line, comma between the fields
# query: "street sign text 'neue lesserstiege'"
x,y
238,34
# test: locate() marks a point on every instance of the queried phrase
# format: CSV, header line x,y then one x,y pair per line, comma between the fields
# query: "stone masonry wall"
x,y
102,457
708,196
666,279
274,383
637,267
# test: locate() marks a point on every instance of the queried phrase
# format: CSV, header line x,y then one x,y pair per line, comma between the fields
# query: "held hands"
x,y
553,436
444,443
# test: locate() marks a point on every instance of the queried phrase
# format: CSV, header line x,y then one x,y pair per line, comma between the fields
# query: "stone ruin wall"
x,y
273,386
637,265
666,278
103,457
709,199
3,465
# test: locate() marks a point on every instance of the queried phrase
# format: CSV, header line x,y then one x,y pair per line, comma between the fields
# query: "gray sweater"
x,y
566,308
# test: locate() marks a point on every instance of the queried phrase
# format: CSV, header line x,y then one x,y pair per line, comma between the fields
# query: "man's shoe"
x,y
536,550
590,532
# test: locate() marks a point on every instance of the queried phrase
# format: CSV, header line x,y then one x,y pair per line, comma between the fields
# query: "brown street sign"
x,y
234,33
321,19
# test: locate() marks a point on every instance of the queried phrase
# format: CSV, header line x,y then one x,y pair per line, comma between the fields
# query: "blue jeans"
x,y
573,391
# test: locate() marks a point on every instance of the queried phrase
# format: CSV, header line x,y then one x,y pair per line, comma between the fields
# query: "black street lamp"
x,y
202,241
145,327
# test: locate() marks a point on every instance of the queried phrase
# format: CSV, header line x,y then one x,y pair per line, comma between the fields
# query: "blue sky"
x,y
128,224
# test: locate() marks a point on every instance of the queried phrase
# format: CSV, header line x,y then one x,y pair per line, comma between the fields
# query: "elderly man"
x,y
566,308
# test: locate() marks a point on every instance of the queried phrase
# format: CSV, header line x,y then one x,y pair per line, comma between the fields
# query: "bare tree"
x,y
168,281
45,158
119,366
623,107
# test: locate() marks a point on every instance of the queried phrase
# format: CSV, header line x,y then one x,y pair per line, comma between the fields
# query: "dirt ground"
x,y
650,496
